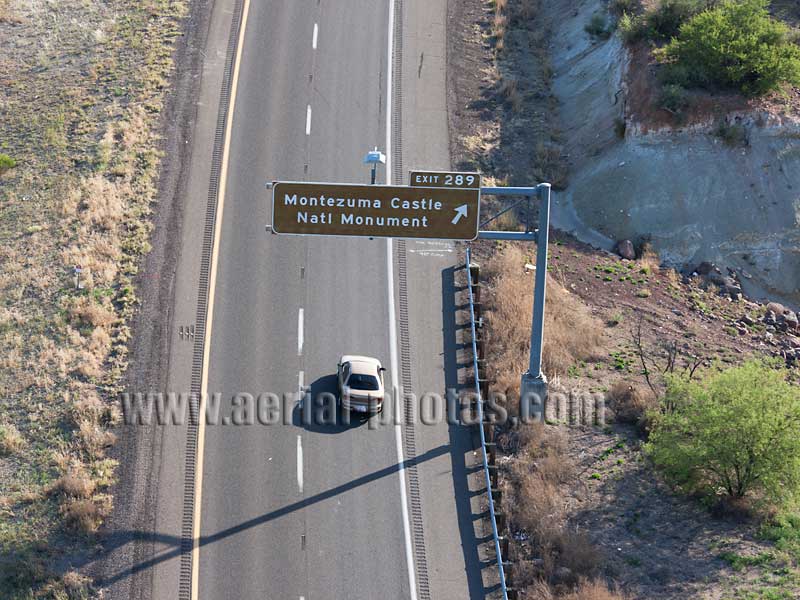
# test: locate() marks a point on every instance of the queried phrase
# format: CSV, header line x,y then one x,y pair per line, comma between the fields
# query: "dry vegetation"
x,y
82,90
589,516
509,320
516,102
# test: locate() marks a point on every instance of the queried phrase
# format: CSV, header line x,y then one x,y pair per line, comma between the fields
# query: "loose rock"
x,y
626,250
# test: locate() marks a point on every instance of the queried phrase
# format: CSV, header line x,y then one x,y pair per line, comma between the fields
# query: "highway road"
x,y
298,510
322,107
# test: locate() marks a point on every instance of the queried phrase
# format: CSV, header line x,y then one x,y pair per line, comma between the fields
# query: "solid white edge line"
x,y
212,284
300,463
398,427
308,120
300,332
314,37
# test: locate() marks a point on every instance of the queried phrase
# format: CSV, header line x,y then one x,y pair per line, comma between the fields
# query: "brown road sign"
x,y
470,181
375,210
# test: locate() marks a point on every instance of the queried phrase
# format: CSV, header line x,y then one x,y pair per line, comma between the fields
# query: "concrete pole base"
x,y
532,398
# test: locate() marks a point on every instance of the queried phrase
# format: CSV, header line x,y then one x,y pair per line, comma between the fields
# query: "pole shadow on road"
x,y
175,546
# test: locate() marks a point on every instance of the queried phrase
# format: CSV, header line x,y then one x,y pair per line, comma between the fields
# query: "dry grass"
x,y
536,502
86,406
572,334
85,515
649,261
95,439
499,25
83,89
593,590
76,483
11,440
630,402
75,584
526,9
549,165
87,311
102,203
509,91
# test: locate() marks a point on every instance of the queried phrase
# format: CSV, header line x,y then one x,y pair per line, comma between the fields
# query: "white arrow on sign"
x,y
461,211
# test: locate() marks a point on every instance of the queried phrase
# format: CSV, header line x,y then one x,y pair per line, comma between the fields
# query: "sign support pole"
x,y
533,387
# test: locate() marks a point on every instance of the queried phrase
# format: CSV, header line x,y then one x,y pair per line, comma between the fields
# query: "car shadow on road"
x,y
318,410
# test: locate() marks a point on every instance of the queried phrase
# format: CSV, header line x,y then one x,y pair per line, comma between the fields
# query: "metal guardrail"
x,y
479,403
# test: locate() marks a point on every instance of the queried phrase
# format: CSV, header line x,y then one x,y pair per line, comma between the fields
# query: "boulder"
x,y
793,341
705,267
747,320
791,320
776,307
717,279
626,250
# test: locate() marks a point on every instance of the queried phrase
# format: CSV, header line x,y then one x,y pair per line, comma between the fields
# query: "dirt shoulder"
x,y
96,115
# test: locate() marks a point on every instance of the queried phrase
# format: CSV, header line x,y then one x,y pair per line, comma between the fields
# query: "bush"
x,y
598,26
630,402
665,20
673,98
735,433
631,28
6,163
736,45
621,7
11,439
731,134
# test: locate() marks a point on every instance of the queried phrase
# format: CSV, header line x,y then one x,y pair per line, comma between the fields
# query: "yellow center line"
x,y
201,426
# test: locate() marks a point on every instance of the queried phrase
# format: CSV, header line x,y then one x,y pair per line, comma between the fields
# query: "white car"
x,y
360,381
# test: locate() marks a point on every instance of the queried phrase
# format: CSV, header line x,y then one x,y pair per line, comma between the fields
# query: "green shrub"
x,y
631,28
732,134
598,26
784,531
673,98
665,20
6,163
736,45
735,434
621,7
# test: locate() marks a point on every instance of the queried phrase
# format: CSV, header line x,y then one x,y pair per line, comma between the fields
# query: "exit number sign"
x,y
446,179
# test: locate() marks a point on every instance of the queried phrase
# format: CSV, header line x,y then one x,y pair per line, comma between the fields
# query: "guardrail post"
x,y
491,452
488,431
481,368
493,474
483,384
504,546
474,273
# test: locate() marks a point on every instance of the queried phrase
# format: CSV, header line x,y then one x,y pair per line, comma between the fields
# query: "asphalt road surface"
x,y
309,511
